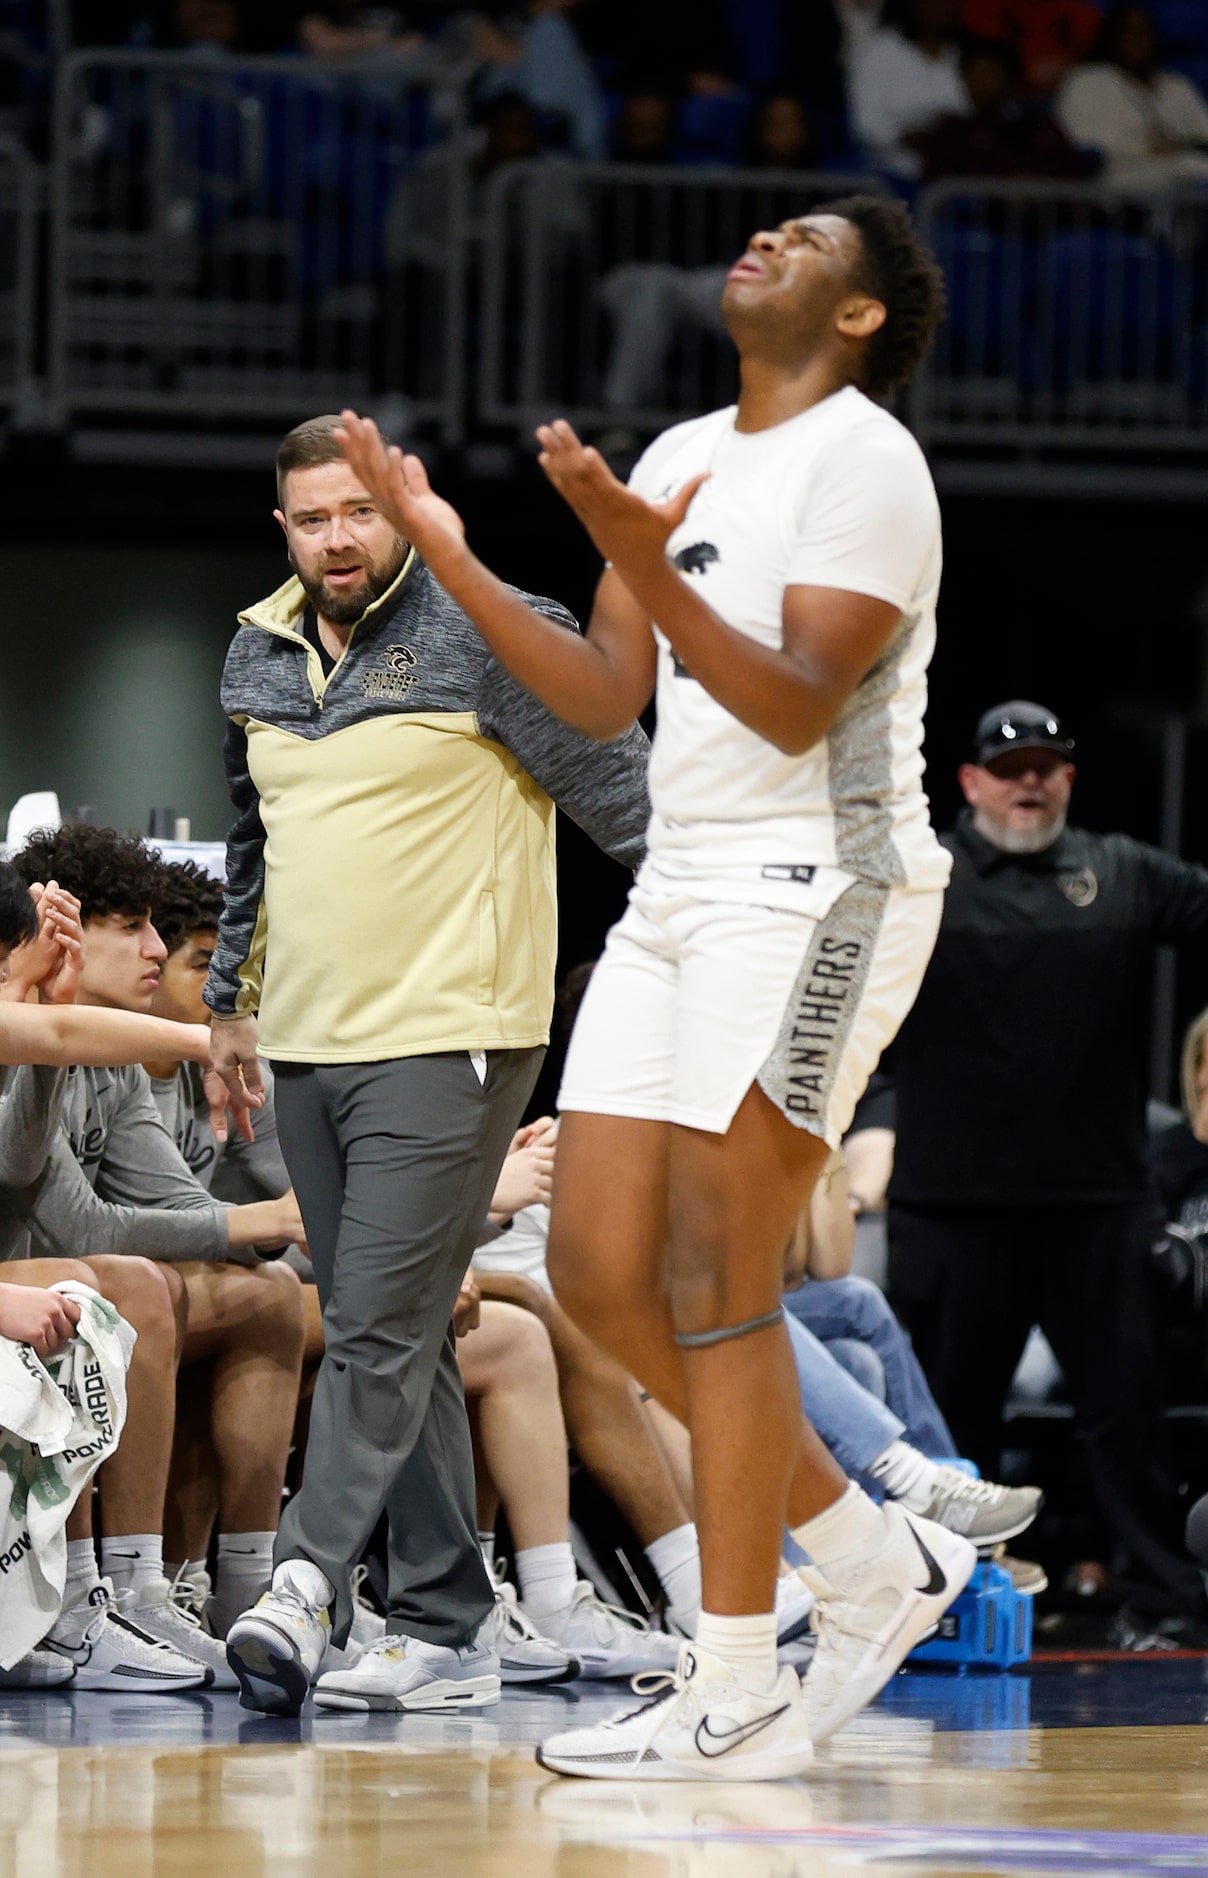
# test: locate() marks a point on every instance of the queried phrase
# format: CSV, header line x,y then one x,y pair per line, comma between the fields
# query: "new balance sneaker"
x,y
702,1724
868,1622
38,1669
607,1641
399,1672
111,1651
275,1649
167,1609
525,1656
985,1513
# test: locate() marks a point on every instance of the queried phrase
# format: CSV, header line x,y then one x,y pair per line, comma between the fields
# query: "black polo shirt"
x,y
1021,1072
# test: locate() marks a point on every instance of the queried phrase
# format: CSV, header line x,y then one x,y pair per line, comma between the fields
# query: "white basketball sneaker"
x,y
275,1649
38,1669
607,1641
704,1724
111,1652
525,1656
167,1609
399,1672
868,1622
794,1606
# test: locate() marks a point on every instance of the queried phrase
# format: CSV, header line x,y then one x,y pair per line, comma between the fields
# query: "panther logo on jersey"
x,y
697,559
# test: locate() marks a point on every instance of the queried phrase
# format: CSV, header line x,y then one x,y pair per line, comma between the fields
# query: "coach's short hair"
x,y
308,445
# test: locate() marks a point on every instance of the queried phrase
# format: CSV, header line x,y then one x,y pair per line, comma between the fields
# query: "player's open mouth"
x,y
746,269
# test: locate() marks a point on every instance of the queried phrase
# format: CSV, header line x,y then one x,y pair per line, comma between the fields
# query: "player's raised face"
x,y
343,549
800,281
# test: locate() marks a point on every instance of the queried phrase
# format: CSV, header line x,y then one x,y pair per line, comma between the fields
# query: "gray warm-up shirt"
x,y
110,1177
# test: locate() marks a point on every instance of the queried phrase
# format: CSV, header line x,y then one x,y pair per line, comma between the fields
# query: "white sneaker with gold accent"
x,y
275,1649
399,1672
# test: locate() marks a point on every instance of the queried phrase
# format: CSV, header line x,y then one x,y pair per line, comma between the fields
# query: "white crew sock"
x,y
547,1578
906,1475
486,1545
133,1559
844,1534
245,1566
676,1559
82,1571
746,1645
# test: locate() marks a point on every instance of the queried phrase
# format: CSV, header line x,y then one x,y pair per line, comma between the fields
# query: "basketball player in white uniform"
x,y
772,571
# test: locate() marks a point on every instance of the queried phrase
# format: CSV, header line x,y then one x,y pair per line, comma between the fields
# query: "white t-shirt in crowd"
x,y
896,89
841,497
1101,106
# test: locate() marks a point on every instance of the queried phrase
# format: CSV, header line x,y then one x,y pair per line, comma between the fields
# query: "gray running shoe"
x,y
983,1512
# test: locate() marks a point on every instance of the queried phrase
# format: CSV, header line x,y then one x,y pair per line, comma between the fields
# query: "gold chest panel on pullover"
x,y
409,891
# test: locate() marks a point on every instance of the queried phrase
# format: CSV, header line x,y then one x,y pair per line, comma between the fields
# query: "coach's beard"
x,y
344,607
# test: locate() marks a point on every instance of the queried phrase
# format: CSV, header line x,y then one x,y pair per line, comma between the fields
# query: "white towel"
x,y
58,1421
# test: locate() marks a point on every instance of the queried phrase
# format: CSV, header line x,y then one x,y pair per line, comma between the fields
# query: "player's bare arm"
x,y
90,1035
598,684
792,694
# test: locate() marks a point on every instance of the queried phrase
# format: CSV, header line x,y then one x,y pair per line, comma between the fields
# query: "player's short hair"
x,y
307,446
18,914
187,900
107,872
902,273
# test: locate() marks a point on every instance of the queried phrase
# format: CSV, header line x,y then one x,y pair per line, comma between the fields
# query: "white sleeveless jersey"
x,y
840,496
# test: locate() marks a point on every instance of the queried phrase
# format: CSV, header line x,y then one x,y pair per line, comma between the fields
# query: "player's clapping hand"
x,y
50,962
468,1309
628,530
398,483
44,1319
527,1175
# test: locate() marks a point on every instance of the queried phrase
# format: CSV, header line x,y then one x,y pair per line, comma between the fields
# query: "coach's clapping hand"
x,y
43,1319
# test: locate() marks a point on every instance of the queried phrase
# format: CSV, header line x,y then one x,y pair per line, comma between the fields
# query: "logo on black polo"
x,y
1080,888
396,681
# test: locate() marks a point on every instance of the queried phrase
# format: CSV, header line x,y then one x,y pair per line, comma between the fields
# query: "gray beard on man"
x,y
1020,840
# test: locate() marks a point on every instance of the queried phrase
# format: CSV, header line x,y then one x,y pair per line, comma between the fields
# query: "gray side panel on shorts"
x,y
860,752
800,1073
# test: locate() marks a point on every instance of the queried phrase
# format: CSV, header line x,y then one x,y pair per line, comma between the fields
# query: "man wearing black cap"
x,y
1020,1192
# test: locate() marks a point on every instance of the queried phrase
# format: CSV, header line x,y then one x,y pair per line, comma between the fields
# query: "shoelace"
x,y
182,1599
657,1686
629,1620
111,1609
984,1492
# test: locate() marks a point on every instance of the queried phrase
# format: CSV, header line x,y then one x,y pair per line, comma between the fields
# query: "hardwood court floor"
x,y
1070,1768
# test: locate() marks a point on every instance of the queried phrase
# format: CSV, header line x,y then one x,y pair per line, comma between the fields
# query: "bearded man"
x,y
388,941
1020,1191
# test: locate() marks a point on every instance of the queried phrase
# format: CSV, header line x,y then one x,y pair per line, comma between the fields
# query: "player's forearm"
x,y
766,689
79,1033
572,676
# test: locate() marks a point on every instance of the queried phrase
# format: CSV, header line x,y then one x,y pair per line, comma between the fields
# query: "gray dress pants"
x,y
394,1165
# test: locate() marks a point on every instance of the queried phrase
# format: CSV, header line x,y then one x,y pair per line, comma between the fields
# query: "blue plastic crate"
x,y
989,1626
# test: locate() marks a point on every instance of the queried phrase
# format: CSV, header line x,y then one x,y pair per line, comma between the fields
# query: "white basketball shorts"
x,y
695,999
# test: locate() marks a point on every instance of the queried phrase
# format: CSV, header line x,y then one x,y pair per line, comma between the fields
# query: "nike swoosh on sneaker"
x,y
937,1583
77,1653
733,1737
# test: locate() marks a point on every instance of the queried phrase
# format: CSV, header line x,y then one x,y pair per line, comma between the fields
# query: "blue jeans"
x,y
851,1310
855,1426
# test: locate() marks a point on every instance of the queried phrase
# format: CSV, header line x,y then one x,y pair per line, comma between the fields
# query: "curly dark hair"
x,y
903,275
18,914
187,900
107,872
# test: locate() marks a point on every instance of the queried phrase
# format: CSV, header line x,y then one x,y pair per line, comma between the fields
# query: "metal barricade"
x,y
601,284
1077,321
221,245
19,191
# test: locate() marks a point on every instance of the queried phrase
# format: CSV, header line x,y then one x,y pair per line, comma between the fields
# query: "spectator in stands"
x,y
644,129
206,28
1000,134
547,64
1048,37
780,135
904,77
1150,126
344,29
114,1181
1020,1191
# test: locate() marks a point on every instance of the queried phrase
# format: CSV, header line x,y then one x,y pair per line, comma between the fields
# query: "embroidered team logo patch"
x,y
697,559
398,678
1080,888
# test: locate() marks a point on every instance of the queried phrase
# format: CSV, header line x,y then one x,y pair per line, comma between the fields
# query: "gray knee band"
x,y
704,1339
